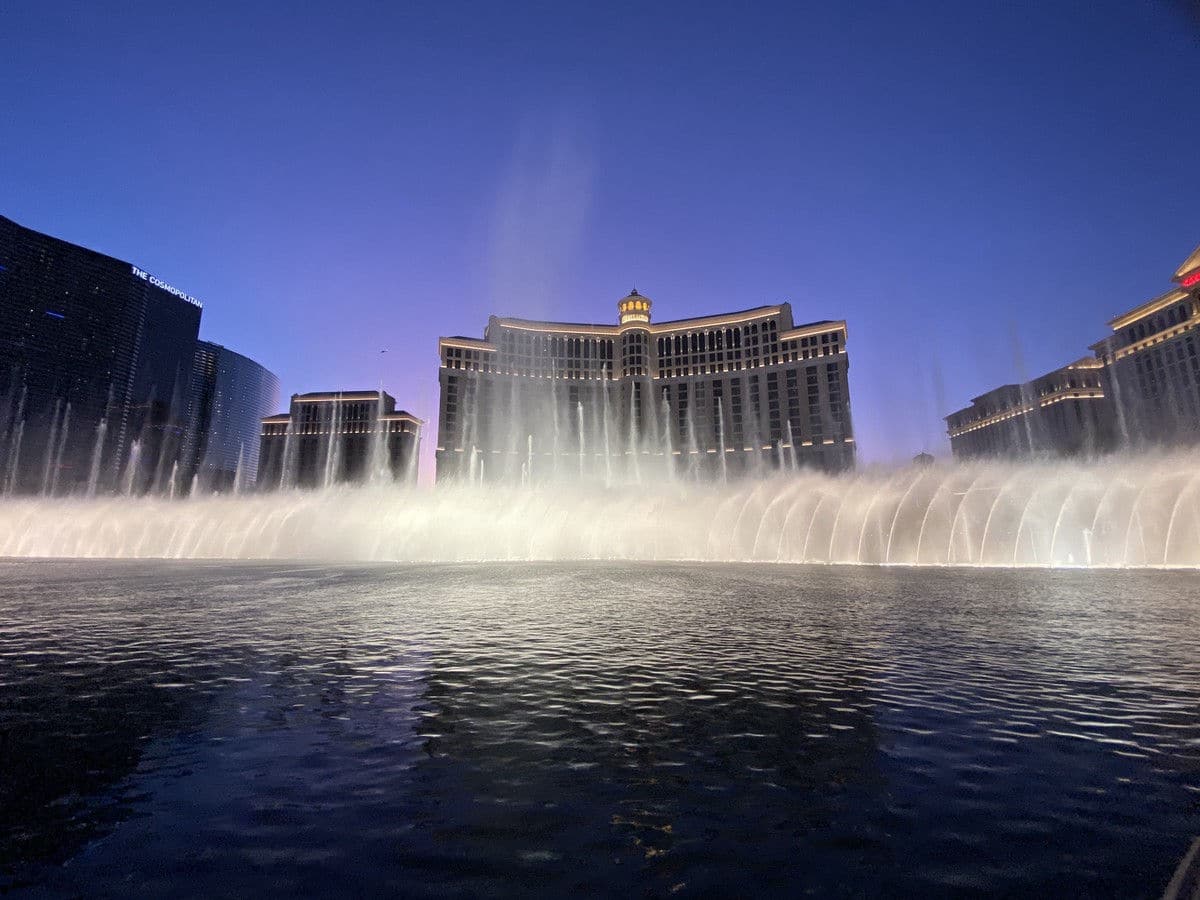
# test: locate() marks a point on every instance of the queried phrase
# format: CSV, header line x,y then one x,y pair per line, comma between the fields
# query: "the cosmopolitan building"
x,y
229,396
713,396
1064,412
331,438
95,363
1152,371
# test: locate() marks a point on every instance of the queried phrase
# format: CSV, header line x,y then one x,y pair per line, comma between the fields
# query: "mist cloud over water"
x,y
1121,512
542,205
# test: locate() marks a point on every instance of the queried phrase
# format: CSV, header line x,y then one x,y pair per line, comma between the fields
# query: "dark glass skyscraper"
x,y
230,394
95,364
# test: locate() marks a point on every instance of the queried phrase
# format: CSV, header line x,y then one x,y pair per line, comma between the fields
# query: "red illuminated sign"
x,y
1190,279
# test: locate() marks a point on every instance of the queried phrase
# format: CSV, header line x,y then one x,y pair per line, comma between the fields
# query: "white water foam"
x,y
1119,512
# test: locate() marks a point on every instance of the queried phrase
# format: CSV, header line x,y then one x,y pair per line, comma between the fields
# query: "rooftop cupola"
x,y
634,308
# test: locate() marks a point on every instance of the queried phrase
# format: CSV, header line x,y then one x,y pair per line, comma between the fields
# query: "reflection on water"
x,y
623,729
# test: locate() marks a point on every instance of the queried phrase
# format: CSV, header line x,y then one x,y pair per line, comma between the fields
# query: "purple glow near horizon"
x,y
976,191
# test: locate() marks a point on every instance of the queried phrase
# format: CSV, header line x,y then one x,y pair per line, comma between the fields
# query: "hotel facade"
x,y
337,437
1141,388
1151,366
715,396
1064,412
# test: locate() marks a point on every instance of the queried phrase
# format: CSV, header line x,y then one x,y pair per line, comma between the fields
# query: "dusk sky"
x,y
975,187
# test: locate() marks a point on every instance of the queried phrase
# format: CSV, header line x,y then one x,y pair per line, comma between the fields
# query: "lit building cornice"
x,y
675,326
814,329
1013,412
1188,273
1071,394
699,324
1087,362
1148,308
567,328
467,344
349,396
1016,400
1112,354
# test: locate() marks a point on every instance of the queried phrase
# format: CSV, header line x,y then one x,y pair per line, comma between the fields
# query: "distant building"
x,y
330,438
95,363
924,459
229,395
1062,413
711,396
1152,371
1141,388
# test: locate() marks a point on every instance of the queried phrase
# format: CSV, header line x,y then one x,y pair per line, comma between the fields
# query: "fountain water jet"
x,y
64,433
131,469
50,448
1142,511
97,450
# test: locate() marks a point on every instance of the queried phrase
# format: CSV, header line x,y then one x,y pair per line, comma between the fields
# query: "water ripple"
x,y
173,728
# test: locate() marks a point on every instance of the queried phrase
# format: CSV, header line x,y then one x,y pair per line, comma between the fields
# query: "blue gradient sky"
x,y
975,187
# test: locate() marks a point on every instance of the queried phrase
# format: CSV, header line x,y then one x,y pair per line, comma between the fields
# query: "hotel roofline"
x,y
1189,267
1187,276
657,328
325,396
397,415
741,315
1148,308
135,270
1086,362
1110,348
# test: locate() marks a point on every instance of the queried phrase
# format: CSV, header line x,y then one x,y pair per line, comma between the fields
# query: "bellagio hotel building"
x,y
715,396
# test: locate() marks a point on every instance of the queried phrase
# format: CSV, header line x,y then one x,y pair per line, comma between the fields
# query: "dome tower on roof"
x,y
634,308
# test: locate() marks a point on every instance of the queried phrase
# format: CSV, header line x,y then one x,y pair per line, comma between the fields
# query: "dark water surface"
x,y
203,729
